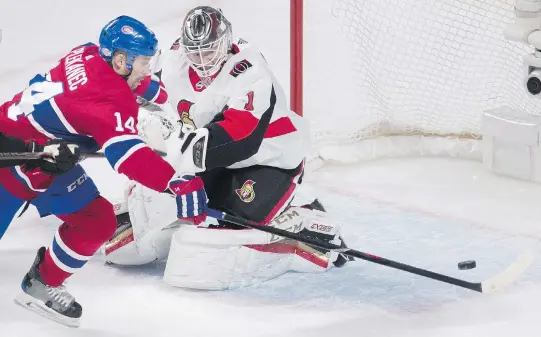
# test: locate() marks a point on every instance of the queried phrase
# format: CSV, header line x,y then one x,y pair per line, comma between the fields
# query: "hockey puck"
x,y
465,265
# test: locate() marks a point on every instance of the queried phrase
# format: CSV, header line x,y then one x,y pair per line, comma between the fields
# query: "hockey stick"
x,y
38,155
498,282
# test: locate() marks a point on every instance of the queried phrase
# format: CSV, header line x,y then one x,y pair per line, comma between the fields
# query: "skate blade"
x,y
30,303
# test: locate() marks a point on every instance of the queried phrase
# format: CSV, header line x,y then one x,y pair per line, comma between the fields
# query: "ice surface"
x,y
383,211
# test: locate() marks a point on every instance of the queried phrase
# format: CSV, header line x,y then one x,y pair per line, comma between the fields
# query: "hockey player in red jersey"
x,y
232,106
87,100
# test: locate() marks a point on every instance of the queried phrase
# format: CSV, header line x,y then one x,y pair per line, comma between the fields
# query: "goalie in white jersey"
x,y
239,136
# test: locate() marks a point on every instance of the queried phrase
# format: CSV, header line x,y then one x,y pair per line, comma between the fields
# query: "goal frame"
x,y
296,56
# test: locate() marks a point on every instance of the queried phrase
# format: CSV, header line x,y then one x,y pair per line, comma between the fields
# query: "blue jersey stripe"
x,y
65,257
115,151
47,118
152,90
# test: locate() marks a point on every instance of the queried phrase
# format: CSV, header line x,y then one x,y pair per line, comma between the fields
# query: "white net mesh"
x,y
418,67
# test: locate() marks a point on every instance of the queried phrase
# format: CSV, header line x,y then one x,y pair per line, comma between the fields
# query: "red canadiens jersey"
x,y
243,107
83,101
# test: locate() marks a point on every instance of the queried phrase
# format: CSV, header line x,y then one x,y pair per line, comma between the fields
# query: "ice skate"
x,y
54,303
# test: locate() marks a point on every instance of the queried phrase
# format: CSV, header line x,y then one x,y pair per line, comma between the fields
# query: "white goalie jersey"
x,y
244,108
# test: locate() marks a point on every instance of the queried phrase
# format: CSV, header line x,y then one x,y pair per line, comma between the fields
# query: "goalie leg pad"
x,y
218,259
124,249
144,236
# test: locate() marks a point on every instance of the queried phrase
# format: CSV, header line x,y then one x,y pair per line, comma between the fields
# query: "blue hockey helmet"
x,y
128,35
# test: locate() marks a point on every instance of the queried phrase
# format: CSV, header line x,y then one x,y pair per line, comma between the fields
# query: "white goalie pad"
x,y
153,221
218,259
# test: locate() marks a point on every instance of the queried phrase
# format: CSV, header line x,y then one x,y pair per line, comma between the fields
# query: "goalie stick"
x,y
496,283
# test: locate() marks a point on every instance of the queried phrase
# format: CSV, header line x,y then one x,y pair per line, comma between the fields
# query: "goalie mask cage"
x,y
403,77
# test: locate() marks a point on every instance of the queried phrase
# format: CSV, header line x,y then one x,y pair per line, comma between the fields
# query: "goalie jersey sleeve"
x,y
237,132
255,126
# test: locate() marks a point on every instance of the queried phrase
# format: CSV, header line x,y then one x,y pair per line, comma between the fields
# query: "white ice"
x,y
430,212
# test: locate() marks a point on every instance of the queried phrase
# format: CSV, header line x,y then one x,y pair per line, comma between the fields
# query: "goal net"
x,y
392,77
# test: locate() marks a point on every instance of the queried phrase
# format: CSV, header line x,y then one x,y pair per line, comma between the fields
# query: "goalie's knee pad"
x,y
143,235
216,259
125,249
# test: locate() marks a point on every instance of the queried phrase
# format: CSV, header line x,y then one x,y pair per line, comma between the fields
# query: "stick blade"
x,y
508,276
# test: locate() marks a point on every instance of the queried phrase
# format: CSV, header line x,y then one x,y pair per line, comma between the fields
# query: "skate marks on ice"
x,y
419,239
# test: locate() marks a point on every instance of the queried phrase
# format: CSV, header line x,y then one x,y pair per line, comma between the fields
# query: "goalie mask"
x,y
206,39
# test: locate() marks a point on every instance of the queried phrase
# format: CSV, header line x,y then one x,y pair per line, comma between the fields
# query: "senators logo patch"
x,y
186,120
246,193
183,109
240,68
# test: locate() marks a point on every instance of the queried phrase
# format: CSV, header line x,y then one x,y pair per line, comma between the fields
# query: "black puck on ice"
x,y
465,265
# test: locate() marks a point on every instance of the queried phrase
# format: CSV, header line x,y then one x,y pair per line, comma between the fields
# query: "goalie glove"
x,y
192,154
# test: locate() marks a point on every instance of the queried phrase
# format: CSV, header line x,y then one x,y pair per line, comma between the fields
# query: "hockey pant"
x,y
256,193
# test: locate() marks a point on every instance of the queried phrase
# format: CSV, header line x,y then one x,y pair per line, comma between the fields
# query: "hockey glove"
x,y
191,198
59,157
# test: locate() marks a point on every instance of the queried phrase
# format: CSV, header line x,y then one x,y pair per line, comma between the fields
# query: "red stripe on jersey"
x,y
143,86
162,96
281,126
15,186
239,124
159,98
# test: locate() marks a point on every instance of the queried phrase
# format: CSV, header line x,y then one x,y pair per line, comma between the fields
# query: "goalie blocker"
x,y
214,255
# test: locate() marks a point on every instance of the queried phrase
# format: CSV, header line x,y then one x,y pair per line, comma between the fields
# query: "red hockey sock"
x,y
77,239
